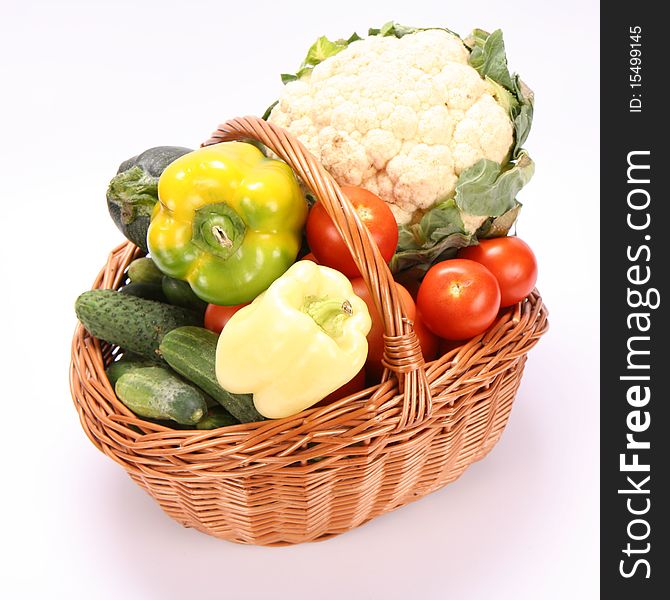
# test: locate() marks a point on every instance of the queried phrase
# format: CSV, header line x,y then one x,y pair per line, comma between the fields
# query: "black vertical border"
x,y
622,132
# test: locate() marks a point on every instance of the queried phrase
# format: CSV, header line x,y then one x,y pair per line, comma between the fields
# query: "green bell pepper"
x,y
229,221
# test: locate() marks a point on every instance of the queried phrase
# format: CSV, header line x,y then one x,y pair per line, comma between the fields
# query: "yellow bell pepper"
x,y
300,340
229,221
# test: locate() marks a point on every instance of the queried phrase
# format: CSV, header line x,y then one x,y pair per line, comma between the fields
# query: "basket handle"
x,y
402,352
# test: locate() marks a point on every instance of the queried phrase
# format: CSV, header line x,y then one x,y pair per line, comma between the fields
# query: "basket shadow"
x,y
141,529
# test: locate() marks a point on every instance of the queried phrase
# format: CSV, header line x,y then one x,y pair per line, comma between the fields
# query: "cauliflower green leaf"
x,y
500,226
437,236
445,221
486,190
522,115
319,51
488,57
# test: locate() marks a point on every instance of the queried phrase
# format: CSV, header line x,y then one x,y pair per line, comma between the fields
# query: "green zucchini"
x,y
133,192
125,364
157,393
216,417
180,293
135,324
149,291
191,351
144,270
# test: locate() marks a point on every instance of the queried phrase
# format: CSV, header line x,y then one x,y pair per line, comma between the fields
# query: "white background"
x,y
84,85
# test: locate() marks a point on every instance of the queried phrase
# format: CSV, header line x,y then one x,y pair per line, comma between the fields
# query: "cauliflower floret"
x,y
401,117
420,177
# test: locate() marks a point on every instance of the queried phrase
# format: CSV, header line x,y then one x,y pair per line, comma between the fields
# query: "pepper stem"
x,y
328,313
219,233
218,229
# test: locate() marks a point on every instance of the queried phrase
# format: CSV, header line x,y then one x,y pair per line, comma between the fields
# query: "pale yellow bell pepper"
x,y
297,342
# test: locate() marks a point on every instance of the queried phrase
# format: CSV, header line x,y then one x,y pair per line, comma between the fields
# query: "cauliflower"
x,y
431,123
400,116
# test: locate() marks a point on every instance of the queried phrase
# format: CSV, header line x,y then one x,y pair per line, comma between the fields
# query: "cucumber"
x,y
180,293
191,351
130,361
144,270
124,365
149,291
216,417
157,393
135,324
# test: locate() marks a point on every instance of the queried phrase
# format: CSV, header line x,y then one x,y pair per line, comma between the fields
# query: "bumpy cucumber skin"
x,y
124,365
156,393
144,270
191,351
135,324
179,293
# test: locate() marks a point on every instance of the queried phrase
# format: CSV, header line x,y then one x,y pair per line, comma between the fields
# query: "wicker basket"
x,y
328,469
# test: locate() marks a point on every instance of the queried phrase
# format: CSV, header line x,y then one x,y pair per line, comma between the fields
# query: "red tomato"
x,y
511,261
373,365
327,245
458,299
429,341
217,316
356,384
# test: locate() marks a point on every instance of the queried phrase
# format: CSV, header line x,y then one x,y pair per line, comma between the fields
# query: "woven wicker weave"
x,y
328,469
